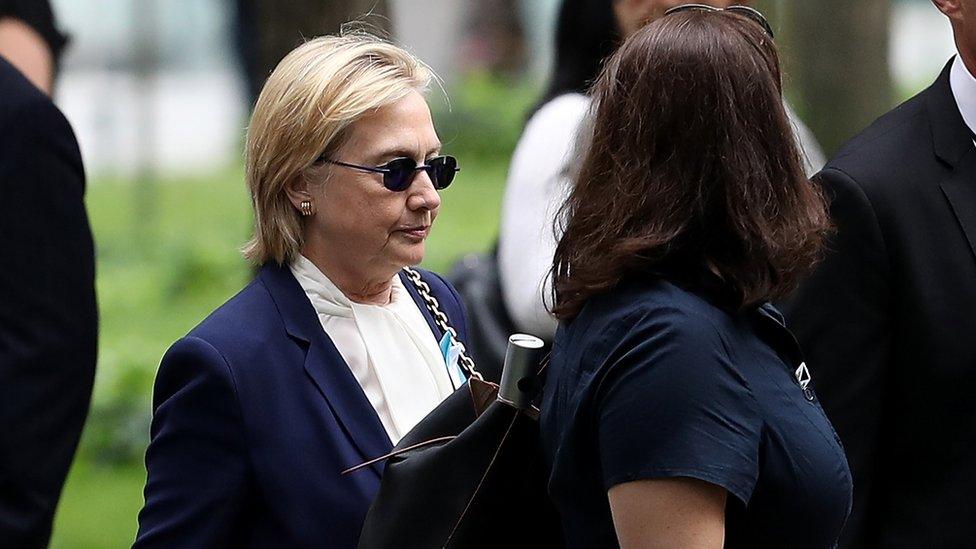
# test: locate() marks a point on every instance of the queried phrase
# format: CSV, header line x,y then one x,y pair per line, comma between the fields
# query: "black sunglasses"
x,y
751,13
398,173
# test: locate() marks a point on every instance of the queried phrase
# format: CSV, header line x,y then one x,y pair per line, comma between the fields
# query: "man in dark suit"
x,y
888,321
48,319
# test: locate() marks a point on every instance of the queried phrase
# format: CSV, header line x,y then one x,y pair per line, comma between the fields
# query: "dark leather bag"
x,y
470,474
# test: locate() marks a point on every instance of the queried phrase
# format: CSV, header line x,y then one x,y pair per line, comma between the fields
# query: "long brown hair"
x,y
690,166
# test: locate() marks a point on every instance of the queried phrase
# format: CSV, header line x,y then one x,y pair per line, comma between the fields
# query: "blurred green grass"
x,y
156,282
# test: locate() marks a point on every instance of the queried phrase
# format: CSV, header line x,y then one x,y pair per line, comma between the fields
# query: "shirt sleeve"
x,y
673,405
538,183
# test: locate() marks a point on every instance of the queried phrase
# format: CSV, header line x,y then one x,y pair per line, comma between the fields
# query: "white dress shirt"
x,y
538,183
964,90
389,348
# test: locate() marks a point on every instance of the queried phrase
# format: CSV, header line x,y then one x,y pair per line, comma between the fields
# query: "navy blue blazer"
x,y
255,416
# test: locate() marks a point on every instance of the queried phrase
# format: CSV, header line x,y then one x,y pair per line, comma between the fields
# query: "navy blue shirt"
x,y
654,381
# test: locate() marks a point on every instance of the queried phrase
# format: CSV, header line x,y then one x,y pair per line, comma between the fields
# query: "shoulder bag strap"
x,y
442,322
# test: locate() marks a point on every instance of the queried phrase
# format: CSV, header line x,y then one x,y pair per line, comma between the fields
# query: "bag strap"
x,y
442,322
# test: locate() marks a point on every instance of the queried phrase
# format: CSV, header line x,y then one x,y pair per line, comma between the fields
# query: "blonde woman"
x,y
329,356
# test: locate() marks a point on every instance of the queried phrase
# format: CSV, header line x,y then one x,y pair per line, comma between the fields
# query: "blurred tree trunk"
x,y
837,62
269,29
145,28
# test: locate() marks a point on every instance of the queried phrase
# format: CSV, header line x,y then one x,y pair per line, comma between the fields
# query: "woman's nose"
x,y
423,195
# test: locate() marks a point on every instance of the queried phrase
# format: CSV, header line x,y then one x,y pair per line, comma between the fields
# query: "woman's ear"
x,y
298,191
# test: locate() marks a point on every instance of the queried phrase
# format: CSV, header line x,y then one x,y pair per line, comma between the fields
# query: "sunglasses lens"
x,y
400,173
444,168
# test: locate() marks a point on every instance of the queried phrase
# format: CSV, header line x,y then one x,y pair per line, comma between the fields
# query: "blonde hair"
x,y
309,101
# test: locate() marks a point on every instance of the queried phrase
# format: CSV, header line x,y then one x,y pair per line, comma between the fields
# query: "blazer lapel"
x,y
345,396
960,191
326,367
953,144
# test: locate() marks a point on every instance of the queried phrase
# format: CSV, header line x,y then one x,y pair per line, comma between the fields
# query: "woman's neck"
x,y
367,294
375,288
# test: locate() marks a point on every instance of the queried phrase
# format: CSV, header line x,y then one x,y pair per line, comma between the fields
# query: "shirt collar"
x,y
963,86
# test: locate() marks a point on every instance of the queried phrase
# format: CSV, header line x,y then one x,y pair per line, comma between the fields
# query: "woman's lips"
x,y
417,233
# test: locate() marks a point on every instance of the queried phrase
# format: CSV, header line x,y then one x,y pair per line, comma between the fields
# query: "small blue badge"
x,y
451,352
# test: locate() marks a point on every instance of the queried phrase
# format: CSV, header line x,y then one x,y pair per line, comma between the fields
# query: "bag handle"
x,y
442,322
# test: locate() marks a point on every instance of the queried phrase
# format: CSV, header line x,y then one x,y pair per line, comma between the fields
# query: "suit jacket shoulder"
x,y
894,170
896,140
902,153
245,323
19,95
17,91
29,120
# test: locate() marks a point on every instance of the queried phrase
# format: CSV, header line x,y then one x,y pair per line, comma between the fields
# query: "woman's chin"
x,y
412,255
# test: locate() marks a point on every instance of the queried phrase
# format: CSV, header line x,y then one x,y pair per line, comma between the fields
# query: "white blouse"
x,y
538,183
389,348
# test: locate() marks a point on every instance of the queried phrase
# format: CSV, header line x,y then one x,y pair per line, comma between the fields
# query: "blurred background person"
x,y
677,412
542,164
48,316
329,356
887,320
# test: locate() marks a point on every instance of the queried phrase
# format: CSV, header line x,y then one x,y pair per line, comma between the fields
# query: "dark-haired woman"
x,y
539,177
678,410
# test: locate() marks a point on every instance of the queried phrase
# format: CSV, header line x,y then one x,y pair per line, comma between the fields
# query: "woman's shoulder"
x,y
672,328
652,302
243,321
234,342
438,283
447,297
440,287
655,331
